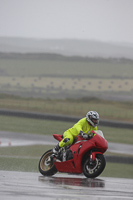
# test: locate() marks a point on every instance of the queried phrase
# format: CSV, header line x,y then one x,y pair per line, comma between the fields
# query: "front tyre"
x,y
46,165
94,169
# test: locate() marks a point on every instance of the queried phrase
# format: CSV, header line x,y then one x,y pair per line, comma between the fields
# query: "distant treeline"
x,y
52,56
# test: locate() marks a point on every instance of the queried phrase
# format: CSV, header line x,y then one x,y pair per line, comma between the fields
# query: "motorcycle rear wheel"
x,y
46,165
94,169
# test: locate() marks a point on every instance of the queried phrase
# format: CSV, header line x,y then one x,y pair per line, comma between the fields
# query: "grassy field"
x,y
65,77
121,111
54,84
66,67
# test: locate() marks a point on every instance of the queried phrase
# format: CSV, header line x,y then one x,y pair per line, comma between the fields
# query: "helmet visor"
x,y
95,121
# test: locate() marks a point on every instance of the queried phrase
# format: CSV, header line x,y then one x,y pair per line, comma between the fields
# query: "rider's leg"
x,y
67,140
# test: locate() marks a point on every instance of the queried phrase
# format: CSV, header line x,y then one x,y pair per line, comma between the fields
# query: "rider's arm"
x,y
76,128
79,126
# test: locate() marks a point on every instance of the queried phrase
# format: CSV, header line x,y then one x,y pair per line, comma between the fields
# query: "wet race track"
x,y
31,186
34,186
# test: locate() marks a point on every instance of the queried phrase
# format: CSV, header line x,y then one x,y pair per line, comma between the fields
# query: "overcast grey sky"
x,y
105,20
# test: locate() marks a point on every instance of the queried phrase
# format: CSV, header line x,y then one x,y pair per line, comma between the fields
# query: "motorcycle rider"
x,y
84,126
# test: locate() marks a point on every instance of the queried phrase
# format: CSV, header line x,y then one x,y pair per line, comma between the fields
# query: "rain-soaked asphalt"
x,y
34,186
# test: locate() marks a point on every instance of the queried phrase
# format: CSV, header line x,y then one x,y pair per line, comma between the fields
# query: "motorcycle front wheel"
x,y
46,165
95,168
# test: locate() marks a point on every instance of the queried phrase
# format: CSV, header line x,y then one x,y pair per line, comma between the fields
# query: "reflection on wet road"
x,y
27,186
83,182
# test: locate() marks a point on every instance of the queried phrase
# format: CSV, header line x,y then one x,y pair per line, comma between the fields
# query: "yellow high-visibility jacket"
x,y
81,125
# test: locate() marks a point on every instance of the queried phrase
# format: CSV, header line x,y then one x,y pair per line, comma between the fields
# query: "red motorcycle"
x,y
83,156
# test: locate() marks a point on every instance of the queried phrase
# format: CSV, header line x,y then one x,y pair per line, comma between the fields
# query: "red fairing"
x,y
101,143
67,166
97,144
58,137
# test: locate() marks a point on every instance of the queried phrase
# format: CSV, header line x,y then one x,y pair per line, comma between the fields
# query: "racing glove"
x,y
83,135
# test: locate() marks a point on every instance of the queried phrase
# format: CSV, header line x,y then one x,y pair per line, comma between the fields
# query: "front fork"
x,y
93,155
91,158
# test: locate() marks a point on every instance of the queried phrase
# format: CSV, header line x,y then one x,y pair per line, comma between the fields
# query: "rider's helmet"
x,y
93,118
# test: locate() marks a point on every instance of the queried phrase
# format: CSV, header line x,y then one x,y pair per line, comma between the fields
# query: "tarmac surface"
x,y
33,186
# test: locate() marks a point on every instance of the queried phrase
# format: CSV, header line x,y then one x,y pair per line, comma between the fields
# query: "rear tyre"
x,y
94,169
46,165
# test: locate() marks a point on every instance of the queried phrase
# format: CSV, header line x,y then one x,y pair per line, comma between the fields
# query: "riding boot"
x,y
56,149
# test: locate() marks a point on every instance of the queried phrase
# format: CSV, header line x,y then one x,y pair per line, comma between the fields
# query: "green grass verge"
x,y
62,67
32,151
118,170
49,127
79,107
19,164
23,158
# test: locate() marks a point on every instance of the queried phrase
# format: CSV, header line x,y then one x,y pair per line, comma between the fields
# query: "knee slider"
x,y
66,140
